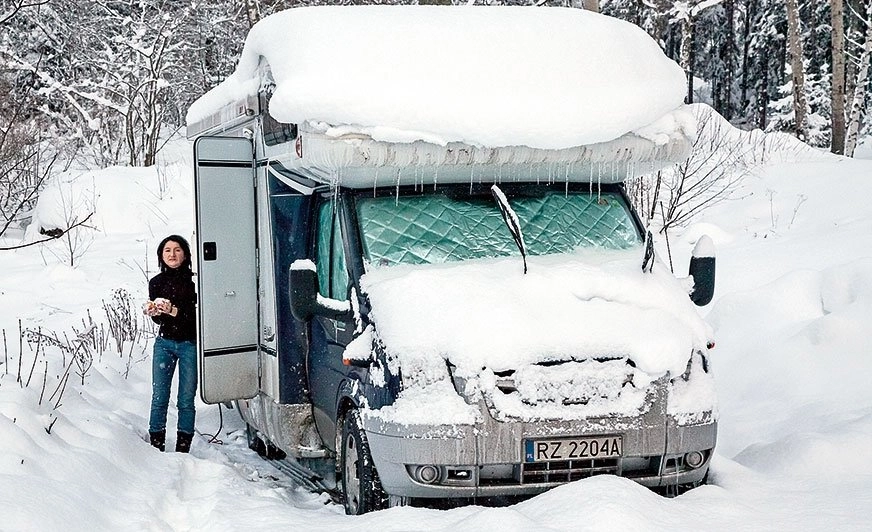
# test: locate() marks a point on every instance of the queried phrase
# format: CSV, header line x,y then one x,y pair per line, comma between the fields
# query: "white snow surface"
x,y
791,318
488,313
539,77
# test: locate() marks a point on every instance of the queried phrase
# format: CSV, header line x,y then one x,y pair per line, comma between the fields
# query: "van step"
x,y
305,477
309,452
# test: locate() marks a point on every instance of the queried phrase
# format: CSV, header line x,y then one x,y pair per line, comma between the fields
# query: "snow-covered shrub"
x,y
62,218
719,158
123,322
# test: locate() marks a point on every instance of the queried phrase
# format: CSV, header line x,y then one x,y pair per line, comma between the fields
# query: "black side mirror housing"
x,y
702,270
305,299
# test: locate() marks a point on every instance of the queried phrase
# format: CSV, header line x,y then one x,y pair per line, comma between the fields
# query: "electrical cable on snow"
x,y
213,438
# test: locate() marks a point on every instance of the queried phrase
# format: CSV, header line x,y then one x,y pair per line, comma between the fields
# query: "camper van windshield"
x,y
440,227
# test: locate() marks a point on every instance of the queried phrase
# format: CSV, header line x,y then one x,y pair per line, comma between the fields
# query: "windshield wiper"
x,y
512,222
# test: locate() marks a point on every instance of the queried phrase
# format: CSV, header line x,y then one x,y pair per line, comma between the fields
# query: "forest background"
x,y
106,82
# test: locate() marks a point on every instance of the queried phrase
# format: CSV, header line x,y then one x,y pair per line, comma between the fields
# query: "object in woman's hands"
x,y
150,309
163,305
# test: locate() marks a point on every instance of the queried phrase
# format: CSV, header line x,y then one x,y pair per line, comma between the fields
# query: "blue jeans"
x,y
166,353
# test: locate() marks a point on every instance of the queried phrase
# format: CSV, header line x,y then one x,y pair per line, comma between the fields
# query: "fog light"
x,y
694,459
459,474
428,474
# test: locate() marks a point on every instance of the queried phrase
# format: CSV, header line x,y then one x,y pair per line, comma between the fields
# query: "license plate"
x,y
586,448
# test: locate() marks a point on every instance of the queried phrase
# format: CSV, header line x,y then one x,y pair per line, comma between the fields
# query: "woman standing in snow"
x,y
172,305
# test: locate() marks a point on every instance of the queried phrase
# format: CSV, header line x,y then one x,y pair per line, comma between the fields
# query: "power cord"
x,y
213,438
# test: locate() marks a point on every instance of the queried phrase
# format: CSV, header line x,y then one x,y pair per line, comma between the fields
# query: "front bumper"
x,y
487,459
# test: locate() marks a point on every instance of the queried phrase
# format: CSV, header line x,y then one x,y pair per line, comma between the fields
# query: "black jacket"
x,y
177,286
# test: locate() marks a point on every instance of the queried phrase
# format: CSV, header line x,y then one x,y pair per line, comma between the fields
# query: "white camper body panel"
x,y
227,268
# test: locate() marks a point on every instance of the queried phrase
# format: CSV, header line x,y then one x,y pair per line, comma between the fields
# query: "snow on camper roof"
x,y
489,78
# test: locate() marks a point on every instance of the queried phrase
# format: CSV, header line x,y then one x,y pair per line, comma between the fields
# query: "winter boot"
x,y
158,439
183,442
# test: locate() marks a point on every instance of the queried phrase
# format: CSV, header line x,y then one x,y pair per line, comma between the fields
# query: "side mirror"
x,y
305,299
702,269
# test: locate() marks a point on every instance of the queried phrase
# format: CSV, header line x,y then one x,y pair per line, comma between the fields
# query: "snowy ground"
x,y
792,315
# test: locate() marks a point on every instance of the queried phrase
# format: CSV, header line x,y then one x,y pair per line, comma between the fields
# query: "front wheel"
x,y
361,487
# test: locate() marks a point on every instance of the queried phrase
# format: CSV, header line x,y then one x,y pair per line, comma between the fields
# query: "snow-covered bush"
x,y
718,160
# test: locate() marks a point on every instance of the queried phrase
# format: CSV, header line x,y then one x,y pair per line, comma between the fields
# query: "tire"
x,y
361,488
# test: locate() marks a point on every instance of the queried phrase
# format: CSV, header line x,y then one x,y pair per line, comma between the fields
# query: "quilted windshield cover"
x,y
436,228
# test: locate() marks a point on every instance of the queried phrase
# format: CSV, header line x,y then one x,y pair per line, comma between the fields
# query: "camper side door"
x,y
227,341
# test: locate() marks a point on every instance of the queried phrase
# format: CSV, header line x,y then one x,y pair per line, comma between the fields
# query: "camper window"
x,y
437,227
332,273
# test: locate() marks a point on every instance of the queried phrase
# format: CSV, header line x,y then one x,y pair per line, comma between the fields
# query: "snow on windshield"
x,y
487,314
494,76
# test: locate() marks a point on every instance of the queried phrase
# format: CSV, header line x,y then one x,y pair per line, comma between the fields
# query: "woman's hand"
x,y
165,306
150,309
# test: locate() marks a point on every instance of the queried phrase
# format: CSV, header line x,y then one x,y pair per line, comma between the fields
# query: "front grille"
x,y
566,470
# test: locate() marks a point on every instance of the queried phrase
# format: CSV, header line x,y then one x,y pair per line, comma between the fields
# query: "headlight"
x,y
702,361
462,385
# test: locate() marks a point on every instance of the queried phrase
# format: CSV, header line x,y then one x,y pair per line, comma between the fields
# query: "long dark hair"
x,y
186,264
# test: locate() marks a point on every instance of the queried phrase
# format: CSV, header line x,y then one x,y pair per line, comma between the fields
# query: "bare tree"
x,y
710,175
837,15
590,5
25,166
684,13
794,42
117,74
16,6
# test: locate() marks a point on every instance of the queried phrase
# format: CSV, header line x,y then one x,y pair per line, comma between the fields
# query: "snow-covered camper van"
x,y
419,273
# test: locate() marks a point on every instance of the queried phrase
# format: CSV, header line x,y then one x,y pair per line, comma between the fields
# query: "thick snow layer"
x,y
590,389
433,404
487,313
539,77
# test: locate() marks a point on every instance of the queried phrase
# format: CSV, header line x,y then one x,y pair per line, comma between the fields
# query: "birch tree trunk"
x,y
686,54
837,95
853,126
590,5
794,42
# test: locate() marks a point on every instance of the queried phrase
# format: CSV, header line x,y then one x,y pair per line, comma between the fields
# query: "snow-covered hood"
x,y
488,314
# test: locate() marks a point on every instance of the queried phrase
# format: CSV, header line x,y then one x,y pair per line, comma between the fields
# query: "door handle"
x,y
268,334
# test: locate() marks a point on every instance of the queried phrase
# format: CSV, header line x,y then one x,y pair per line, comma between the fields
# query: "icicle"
x,y
590,180
397,199
566,180
599,180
